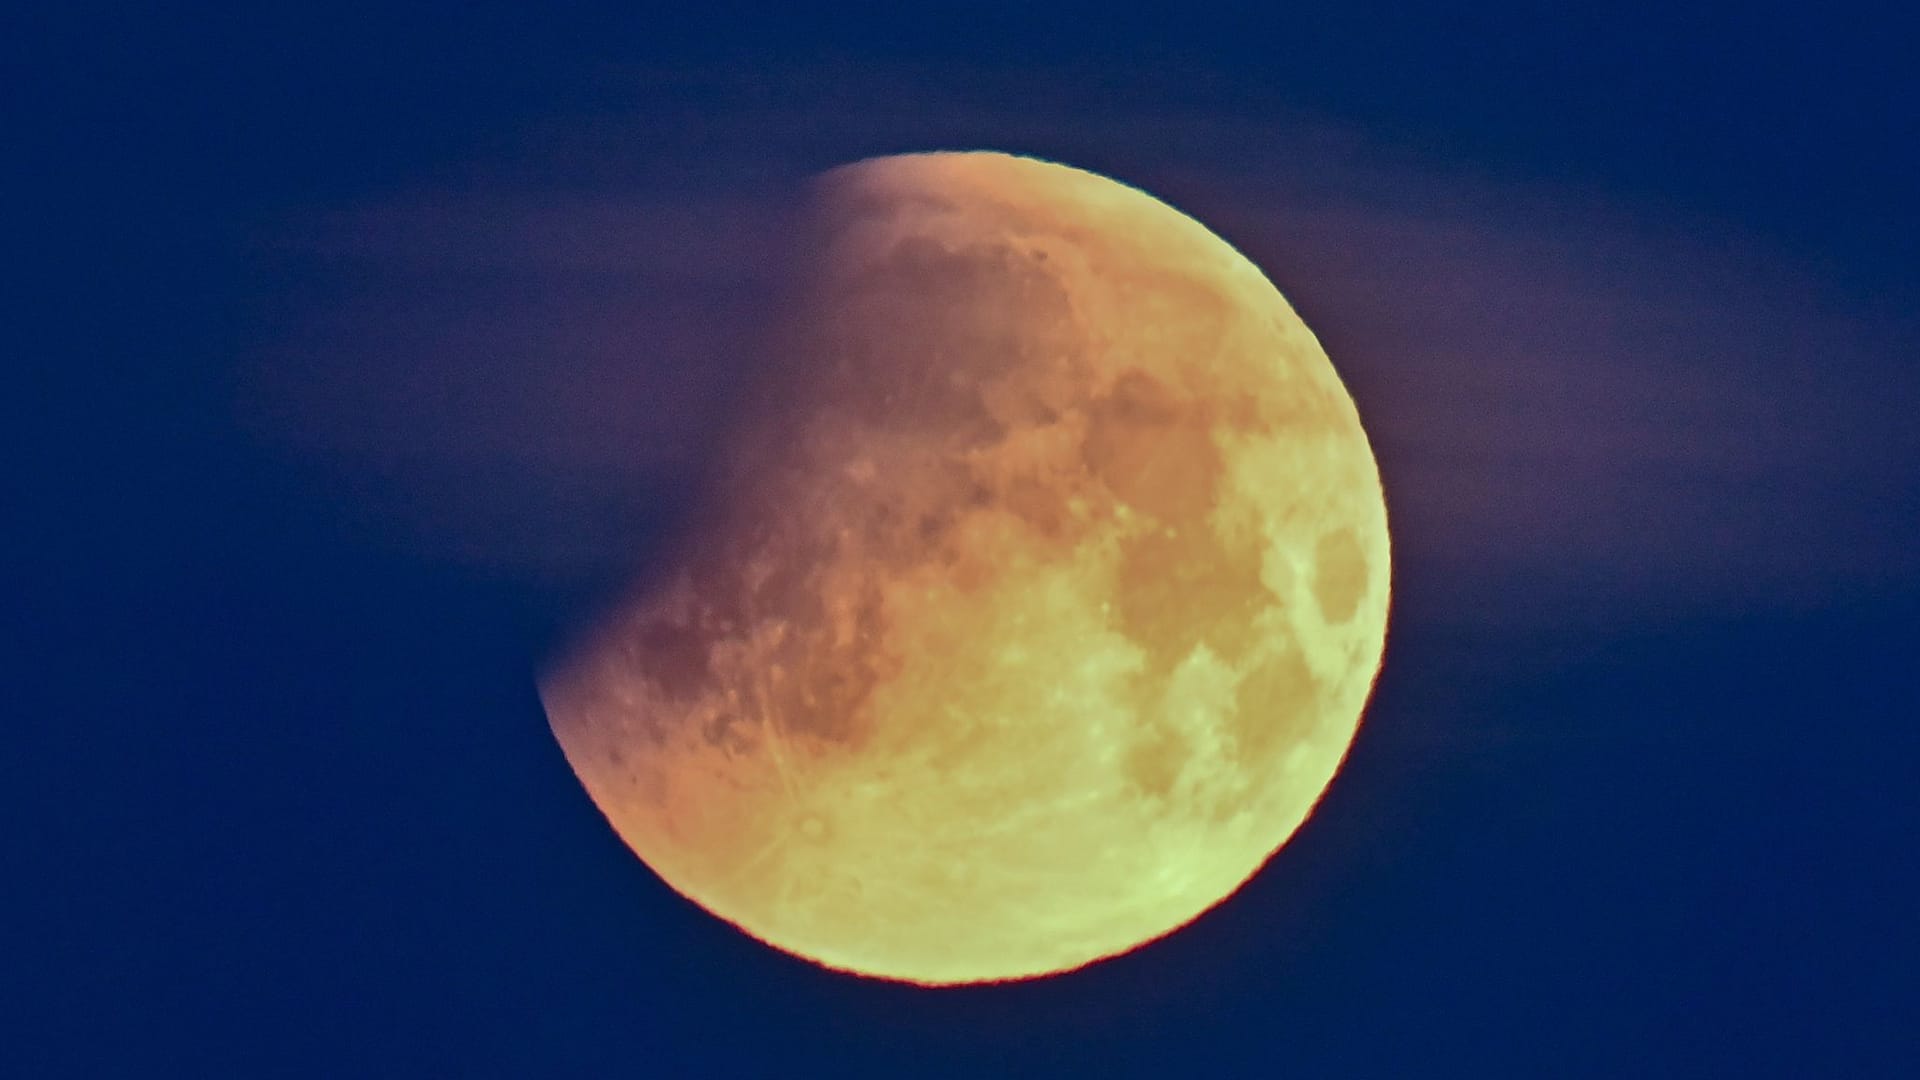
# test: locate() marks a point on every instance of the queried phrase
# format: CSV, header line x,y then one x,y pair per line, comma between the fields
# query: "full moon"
x,y
1042,587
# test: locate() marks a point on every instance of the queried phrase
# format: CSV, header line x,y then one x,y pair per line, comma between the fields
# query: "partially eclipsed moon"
x,y
1041,599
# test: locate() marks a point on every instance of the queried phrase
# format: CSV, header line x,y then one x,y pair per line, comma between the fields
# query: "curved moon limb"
x,y
1046,586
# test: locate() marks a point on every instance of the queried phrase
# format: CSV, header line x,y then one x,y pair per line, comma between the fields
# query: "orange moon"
x,y
1042,592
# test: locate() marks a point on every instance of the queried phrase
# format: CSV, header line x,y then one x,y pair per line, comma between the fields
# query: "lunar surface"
x,y
1041,594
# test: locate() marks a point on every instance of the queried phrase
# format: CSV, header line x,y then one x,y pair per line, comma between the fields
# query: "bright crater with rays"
x,y
1039,602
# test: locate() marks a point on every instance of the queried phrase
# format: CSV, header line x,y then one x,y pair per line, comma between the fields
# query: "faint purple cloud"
x,y
1608,413
1584,411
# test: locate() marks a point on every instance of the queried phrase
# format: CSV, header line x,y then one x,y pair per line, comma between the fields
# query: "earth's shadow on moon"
x,y
660,513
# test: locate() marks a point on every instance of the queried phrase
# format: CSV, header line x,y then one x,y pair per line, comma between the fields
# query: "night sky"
x,y
355,356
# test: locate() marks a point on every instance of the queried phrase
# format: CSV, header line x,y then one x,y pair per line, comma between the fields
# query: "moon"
x,y
1043,588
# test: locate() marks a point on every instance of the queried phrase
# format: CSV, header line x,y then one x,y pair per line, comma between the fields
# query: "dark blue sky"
x,y
333,329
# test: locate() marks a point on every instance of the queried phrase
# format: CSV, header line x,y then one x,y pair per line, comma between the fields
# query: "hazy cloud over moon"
x,y
1581,407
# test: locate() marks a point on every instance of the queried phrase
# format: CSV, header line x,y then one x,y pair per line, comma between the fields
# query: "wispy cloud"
x,y
1584,409
1607,411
